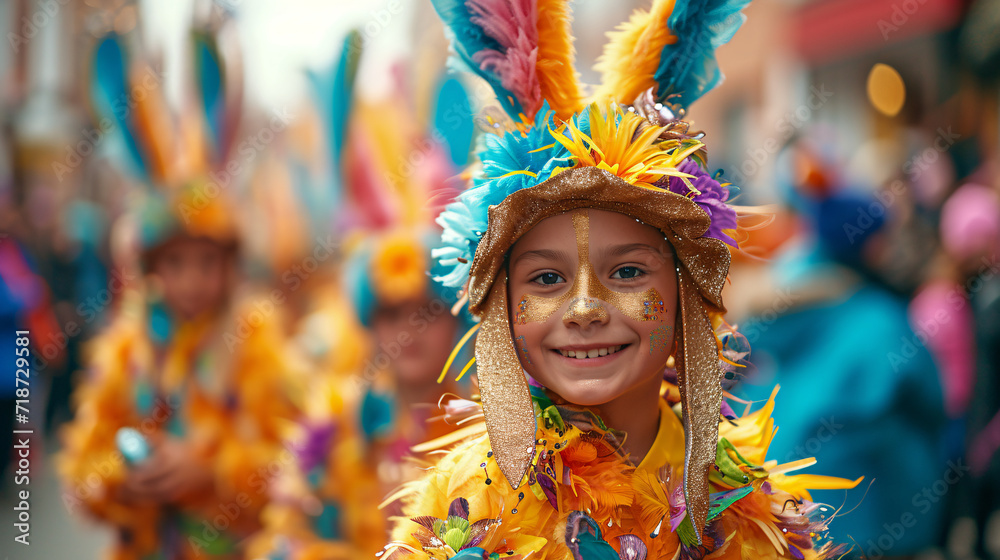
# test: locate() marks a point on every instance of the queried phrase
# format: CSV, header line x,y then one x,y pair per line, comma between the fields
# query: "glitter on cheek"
x,y
653,307
537,309
523,345
660,338
521,315
632,305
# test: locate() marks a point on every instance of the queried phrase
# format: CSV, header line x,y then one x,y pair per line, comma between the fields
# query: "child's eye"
x,y
548,279
627,273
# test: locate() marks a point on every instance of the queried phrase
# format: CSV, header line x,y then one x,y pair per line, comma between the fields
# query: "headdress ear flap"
x,y
510,417
698,376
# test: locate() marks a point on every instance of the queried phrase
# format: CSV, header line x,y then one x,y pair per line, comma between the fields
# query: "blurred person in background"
x,y
193,367
970,235
24,306
377,394
969,230
826,328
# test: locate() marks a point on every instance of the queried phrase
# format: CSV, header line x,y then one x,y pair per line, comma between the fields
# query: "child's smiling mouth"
x,y
591,354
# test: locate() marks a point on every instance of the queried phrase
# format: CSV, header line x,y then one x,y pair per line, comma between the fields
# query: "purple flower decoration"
x,y
710,196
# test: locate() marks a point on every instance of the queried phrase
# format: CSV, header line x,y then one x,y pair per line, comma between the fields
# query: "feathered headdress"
x,y
179,158
397,174
624,150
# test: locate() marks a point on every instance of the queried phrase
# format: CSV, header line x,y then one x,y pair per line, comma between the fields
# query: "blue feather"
x,y
453,123
467,39
688,67
110,94
505,159
212,93
343,90
333,90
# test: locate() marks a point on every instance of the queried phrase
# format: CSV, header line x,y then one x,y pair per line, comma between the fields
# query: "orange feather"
x,y
554,68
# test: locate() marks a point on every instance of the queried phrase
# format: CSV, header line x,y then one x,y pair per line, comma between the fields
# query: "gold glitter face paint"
x,y
585,310
587,295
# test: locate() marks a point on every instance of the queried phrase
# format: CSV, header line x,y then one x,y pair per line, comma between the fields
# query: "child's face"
x,y
417,336
593,283
195,274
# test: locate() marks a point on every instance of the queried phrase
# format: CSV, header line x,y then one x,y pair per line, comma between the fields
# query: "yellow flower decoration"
x,y
618,145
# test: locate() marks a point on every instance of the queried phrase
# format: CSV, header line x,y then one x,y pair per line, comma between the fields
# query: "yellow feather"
x,y
454,353
632,54
557,77
613,144
776,539
465,369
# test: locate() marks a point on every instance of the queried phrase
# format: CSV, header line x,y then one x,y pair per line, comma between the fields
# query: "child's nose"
x,y
585,310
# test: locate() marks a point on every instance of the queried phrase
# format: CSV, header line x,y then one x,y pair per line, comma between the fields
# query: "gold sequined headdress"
x,y
627,152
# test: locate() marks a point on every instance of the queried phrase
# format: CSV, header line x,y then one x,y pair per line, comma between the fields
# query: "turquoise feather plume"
x,y
511,162
689,67
209,68
109,92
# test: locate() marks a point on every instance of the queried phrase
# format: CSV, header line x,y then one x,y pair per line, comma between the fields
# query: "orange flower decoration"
x,y
399,269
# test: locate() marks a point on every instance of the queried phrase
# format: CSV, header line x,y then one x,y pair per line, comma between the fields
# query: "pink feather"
x,y
513,24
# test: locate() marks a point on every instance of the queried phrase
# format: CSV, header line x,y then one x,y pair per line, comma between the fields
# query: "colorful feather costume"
x,y
218,381
195,384
756,509
549,480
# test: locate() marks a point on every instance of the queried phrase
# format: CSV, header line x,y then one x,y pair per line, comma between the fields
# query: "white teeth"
x,y
592,353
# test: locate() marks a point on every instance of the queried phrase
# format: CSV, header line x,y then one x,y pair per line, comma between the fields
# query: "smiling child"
x,y
593,248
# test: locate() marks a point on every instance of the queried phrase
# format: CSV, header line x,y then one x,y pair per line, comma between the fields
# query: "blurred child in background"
x,y
374,397
196,371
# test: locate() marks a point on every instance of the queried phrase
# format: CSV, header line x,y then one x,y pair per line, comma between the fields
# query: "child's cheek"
x,y
527,344
661,339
